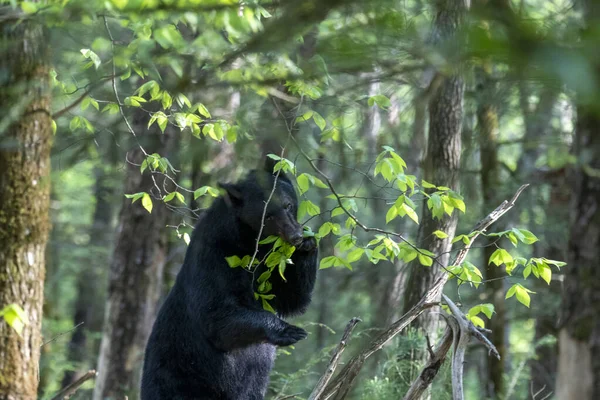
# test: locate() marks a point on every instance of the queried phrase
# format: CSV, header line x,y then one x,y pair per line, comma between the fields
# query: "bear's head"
x,y
246,200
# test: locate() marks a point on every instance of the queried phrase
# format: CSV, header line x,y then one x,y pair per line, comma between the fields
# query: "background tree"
x,y
25,141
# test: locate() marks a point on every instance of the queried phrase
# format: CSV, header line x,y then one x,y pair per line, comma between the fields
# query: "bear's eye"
x,y
288,206
268,218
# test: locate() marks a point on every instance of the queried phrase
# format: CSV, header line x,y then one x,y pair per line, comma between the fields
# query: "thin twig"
x,y
114,87
70,389
61,334
68,108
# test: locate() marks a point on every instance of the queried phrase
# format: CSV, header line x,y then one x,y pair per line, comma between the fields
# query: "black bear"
x,y
212,339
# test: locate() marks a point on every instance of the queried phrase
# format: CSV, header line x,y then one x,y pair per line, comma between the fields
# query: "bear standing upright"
x,y
212,339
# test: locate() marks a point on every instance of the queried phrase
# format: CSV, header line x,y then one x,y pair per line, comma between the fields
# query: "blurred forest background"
x,y
119,117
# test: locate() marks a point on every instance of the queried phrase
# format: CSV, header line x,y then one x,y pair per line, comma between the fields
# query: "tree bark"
x,y
441,167
136,273
25,142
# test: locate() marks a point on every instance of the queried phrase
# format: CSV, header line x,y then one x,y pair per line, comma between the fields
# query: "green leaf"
x,y
412,214
269,239
308,207
486,308
327,262
523,296
282,265
557,264
355,255
135,196
112,108
53,127
500,256
15,317
440,234
202,110
267,306
427,185
319,120
75,123
168,197
166,101
233,261
529,237
391,214
142,90
264,276
147,202
511,292
545,272
303,183
325,229
337,211
425,260
29,7
476,321
382,101
168,36
89,54
183,100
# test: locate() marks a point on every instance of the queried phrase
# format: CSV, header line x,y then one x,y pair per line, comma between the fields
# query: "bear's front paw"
x,y
288,336
308,244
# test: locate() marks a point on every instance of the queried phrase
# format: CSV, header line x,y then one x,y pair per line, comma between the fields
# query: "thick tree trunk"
x,y
25,143
136,274
441,167
89,295
579,337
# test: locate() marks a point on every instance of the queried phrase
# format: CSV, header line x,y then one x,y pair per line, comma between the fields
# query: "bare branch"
x,y
462,330
70,389
335,359
429,372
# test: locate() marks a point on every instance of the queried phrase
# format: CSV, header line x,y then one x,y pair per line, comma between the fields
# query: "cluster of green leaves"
x,y
275,261
539,267
440,200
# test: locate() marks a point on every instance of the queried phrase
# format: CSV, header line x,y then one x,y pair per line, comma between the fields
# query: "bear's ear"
x,y
270,166
233,193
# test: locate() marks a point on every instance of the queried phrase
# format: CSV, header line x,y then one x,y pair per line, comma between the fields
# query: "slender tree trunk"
x,y
89,295
487,121
441,167
25,141
579,337
324,284
136,274
537,131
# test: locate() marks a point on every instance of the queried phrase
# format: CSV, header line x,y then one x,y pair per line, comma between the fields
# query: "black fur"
x,y
212,339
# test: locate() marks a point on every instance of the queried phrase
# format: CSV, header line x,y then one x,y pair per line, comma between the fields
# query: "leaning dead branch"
x,y
341,385
335,359
431,369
